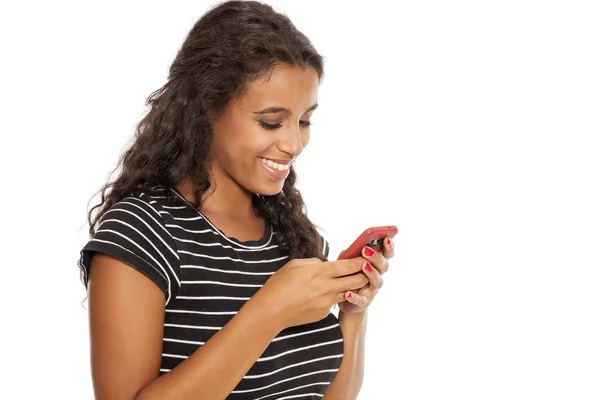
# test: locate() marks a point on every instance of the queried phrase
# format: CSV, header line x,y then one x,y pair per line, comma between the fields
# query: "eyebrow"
x,y
276,110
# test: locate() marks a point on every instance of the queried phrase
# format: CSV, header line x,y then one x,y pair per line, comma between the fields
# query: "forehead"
x,y
289,87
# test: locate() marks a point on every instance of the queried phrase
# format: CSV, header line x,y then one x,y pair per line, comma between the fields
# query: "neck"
x,y
224,196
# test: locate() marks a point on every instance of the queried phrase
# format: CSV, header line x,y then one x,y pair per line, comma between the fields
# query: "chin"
x,y
262,183
269,190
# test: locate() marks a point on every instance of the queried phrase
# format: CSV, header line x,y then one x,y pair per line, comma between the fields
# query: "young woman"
x,y
206,279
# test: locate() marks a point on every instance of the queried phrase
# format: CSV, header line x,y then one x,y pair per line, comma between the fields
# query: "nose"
x,y
291,141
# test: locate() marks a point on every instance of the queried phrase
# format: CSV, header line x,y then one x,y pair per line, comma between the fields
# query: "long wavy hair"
x,y
233,44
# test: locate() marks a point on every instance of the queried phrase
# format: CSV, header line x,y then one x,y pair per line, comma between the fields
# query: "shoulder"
x,y
158,204
140,211
168,203
134,231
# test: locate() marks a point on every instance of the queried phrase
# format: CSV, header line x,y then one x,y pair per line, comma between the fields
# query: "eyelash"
x,y
272,127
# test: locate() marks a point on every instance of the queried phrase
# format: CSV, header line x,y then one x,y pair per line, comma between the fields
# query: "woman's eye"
x,y
269,126
273,126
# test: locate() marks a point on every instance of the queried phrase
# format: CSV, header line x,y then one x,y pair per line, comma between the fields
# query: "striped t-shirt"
x,y
206,278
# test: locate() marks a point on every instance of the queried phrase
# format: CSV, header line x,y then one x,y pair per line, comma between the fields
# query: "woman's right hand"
x,y
304,290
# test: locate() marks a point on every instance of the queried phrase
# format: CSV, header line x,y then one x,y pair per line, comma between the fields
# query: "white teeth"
x,y
274,165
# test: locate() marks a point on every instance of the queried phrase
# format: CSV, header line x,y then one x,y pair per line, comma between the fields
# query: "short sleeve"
x,y
133,231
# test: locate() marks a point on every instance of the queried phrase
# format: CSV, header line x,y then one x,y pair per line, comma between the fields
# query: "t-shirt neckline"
x,y
263,241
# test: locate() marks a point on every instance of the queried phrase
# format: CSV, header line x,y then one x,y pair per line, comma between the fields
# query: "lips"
x,y
280,165
276,169
278,161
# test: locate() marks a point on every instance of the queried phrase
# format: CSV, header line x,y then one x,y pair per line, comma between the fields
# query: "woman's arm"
x,y
353,322
349,378
126,330
127,321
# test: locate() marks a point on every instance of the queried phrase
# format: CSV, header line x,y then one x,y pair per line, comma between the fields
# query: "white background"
x,y
473,126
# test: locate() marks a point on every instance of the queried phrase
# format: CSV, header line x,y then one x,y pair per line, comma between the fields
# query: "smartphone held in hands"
x,y
372,237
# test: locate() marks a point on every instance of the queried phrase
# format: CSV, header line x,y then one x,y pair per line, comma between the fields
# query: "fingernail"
x,y
349,295
388,241
368,267
368,251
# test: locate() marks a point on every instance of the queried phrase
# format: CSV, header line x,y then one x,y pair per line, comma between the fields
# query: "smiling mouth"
x,y
278,166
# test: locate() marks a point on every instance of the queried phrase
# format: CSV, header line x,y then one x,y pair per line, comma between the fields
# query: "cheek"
x,y
247,140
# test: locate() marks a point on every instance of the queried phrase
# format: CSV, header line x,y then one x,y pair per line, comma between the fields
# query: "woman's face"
x,y
262,132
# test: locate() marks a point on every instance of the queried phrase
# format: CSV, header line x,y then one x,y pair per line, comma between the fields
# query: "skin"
x,y
239,140
353,323
126,334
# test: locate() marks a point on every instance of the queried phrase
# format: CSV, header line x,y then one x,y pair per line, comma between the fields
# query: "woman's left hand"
x,y
375,266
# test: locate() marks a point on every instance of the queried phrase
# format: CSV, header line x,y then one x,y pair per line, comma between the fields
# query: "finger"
x,y
388,248
344,267
375,278
351,282
340,297
359,300
370,293
362,289
376,259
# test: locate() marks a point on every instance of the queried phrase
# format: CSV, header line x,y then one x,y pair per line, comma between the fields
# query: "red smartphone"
x,y
372,237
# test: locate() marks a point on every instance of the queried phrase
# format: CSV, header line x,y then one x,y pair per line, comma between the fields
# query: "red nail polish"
x,y
388,241
368,267
349,295
368,251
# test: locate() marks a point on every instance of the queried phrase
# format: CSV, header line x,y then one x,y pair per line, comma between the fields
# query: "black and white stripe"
x,y
206,278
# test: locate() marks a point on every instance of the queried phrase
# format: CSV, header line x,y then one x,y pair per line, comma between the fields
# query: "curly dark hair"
x,y
231,45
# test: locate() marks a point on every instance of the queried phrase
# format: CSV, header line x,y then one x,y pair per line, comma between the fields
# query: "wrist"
x,y
266,313
355,319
